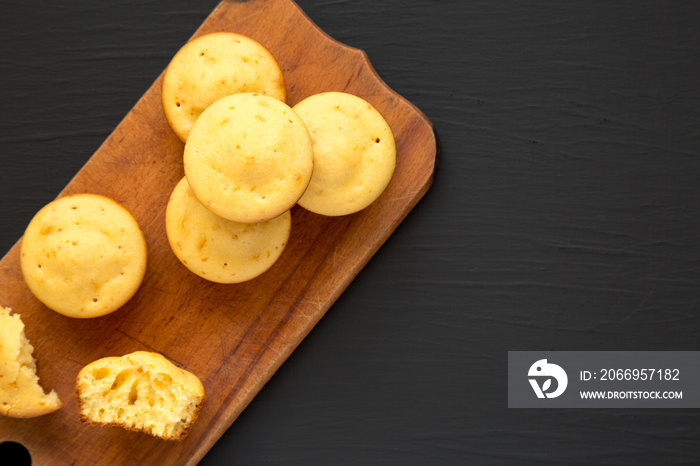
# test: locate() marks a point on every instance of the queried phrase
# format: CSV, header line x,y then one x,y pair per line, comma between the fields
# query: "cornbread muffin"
x,y
354,153
83,255
141,391
20,392
213,66
217,249
248,158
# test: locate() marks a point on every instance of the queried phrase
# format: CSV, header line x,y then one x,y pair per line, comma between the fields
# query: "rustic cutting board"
x,y
234,337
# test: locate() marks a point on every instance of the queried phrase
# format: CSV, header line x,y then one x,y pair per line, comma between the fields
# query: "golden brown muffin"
x,y
248,158
83,255
20,392
354,153
141,391
213,66
217,249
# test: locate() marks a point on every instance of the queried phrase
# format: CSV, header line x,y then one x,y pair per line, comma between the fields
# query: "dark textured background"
x,y
565,215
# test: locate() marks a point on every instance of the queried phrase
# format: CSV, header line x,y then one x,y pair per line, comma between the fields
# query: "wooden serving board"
x,y
234,337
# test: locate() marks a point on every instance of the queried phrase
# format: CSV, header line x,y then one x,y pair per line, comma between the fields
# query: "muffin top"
x,y
217,249
248,158
213,66
83,255
354,153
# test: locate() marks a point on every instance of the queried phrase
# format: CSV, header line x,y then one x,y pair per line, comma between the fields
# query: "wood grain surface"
x,y
234,337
